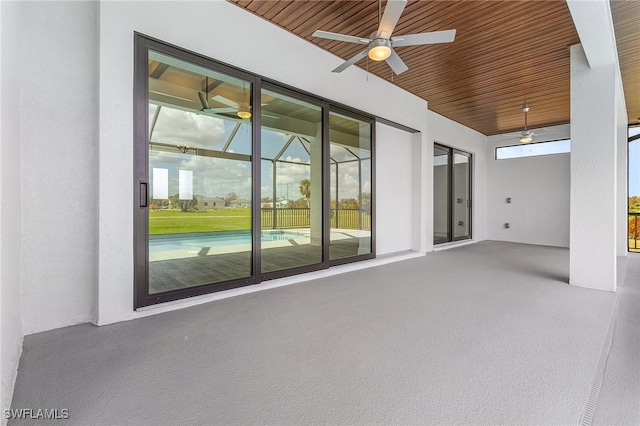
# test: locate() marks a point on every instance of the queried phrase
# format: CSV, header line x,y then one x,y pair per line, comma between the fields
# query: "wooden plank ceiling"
x,y
505,53
626,21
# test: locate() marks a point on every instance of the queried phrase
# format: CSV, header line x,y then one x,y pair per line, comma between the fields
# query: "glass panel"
x,y
533,149
200,206
296,152
241,141
177,127
461,197
350,186
272,143
291,213
339,153
634,191
441,216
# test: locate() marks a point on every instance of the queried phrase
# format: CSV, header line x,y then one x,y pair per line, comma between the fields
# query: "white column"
x,y
622,143
593,173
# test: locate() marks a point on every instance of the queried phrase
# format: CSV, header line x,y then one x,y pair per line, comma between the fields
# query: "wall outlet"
x,y
506,225
509,200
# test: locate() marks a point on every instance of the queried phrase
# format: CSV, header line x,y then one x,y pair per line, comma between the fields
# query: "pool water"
x,y
169,242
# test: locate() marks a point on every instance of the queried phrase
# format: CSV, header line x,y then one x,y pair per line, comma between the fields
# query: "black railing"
x,y
301,218
634,232
350,219
285,218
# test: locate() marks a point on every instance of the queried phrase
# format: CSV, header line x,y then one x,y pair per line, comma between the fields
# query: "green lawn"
x,y
178,222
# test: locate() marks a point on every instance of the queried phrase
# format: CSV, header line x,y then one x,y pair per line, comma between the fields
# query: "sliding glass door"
x,y
291,188
461,195
441,197
451,194
238,180
199,175
634,189
351,187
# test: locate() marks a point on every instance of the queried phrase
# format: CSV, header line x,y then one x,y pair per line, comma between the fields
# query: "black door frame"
x,y
451,202
142,298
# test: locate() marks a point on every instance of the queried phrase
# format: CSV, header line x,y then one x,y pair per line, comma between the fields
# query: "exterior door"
x,y
452,190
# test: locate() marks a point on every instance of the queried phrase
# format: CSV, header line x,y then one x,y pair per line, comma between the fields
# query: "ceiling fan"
x,y
526,135
380,45
242,109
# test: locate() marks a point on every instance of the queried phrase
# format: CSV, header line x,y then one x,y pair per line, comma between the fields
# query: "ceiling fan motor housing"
x,y
379,49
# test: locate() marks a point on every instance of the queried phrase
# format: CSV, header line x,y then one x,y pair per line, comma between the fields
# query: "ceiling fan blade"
x,y
203,100
396,64
424,38
225,101
390,17
341,37
351,61
275,117
220,110
511,134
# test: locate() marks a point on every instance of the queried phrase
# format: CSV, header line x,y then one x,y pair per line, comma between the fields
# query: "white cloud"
x,y
182,127
211,176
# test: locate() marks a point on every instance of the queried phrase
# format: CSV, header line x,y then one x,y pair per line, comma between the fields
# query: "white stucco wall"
x,y
539,189
249,44
622,196
59,82
394,183
66,75
449,133
77,164
10,203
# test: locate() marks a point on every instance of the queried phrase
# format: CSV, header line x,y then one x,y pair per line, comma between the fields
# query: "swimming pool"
x,y
169,242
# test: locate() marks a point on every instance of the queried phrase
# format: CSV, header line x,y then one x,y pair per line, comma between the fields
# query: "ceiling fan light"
x,y
244,114
525,139
380,53
380,49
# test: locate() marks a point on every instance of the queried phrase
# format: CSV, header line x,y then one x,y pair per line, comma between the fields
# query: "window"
x,y
533,149
240,180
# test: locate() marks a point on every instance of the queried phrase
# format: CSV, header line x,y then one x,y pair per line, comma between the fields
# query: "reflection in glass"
x,y
461,196
291,204
350,169
199,176
441,215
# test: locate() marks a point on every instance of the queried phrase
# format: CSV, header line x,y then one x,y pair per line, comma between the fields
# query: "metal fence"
x,y
301,218
350,219
634,232
285,218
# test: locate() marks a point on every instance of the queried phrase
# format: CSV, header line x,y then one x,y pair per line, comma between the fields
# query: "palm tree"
x,y
305,190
